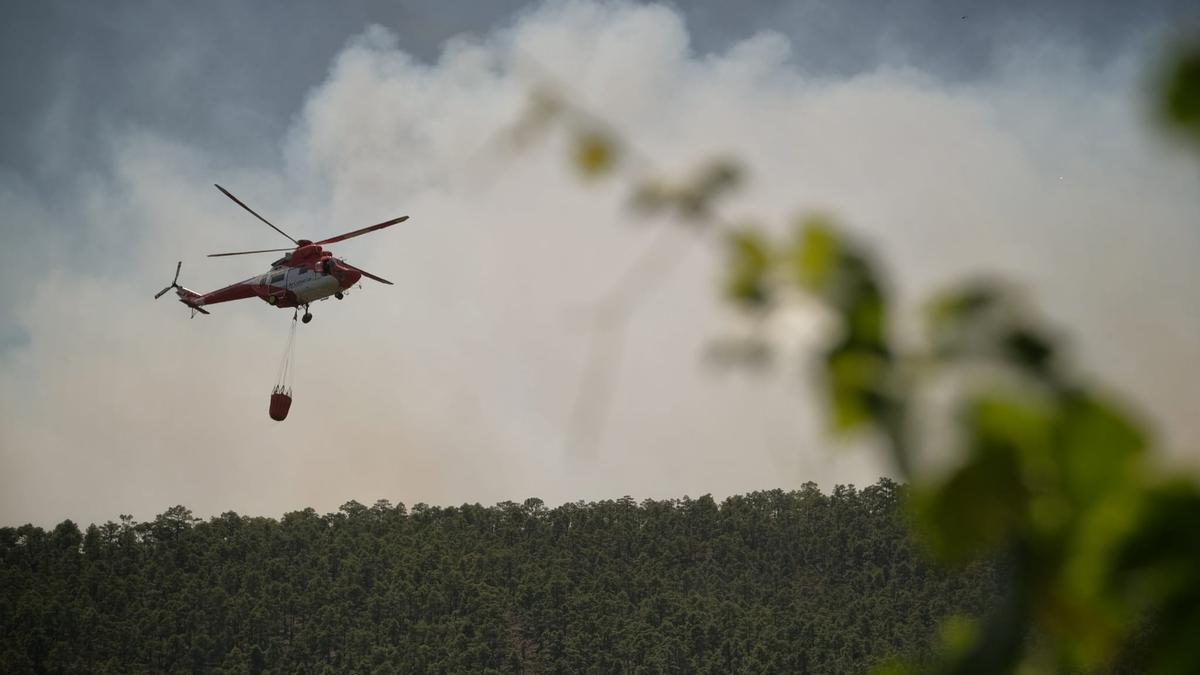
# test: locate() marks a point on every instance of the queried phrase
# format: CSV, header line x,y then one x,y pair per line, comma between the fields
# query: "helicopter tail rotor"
x,y
174,282
188,297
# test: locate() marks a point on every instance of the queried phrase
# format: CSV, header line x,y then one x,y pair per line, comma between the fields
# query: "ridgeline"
x,y
798,582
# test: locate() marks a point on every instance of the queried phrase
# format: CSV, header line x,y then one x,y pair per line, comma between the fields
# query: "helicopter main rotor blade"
x,y
239,203
366,273
348,235
265,250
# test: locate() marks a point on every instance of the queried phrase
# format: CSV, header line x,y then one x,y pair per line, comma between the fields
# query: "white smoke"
x,y
456,384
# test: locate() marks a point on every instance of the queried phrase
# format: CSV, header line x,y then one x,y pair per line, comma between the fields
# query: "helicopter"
x,y
306,274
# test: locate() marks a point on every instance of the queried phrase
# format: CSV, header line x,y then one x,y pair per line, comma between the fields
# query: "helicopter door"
x,y
278,286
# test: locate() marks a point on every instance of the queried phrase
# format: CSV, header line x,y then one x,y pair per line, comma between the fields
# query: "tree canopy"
x,y
774,581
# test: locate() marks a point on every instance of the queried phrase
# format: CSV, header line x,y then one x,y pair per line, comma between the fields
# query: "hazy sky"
x,y
957,137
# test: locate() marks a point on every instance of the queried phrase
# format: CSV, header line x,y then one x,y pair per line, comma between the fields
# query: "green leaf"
x,y
984,502
857,382
958,633
595,154
1180,104
1159,566
976,509
1028,349
865,318
749,260
1021,423
815,254
964,304
1098,447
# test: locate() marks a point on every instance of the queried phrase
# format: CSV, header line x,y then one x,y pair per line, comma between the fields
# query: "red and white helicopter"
x,y
307,274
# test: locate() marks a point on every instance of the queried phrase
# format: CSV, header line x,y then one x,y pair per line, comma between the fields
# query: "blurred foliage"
x,y
594,154
1179,101
1051,475
690,199
598,151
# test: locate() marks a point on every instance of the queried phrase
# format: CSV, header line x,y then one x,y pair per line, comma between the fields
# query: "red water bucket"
x,y
281,401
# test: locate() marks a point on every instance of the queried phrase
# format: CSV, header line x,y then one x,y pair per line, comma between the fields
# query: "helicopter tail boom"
x,y
186,295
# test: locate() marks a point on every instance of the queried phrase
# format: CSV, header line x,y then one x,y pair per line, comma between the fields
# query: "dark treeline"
x,y
798,582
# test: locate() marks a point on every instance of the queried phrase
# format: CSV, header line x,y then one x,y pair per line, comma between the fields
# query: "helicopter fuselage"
x,y
307,275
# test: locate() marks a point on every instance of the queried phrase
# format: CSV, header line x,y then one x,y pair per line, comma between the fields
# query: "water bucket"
x,y
281,401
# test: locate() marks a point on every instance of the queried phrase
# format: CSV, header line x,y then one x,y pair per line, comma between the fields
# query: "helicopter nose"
x,y
346,276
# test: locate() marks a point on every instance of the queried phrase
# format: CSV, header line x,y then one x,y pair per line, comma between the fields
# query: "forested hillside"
x,y
776,581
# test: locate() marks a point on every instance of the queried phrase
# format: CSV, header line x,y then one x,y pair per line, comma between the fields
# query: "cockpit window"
x,y
276,278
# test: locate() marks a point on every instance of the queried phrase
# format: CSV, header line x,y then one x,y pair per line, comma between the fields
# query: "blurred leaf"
x,y
721,174
965,304
693,201
857,384
832,268
713,181
1011,420
1098,447
975,510
1050,514
864,312
815,254
981,504
1029,350
595,154
958,633
1171,510
1089,508
1082,611
1160,568
849,410
985,321
1181,93
749,259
